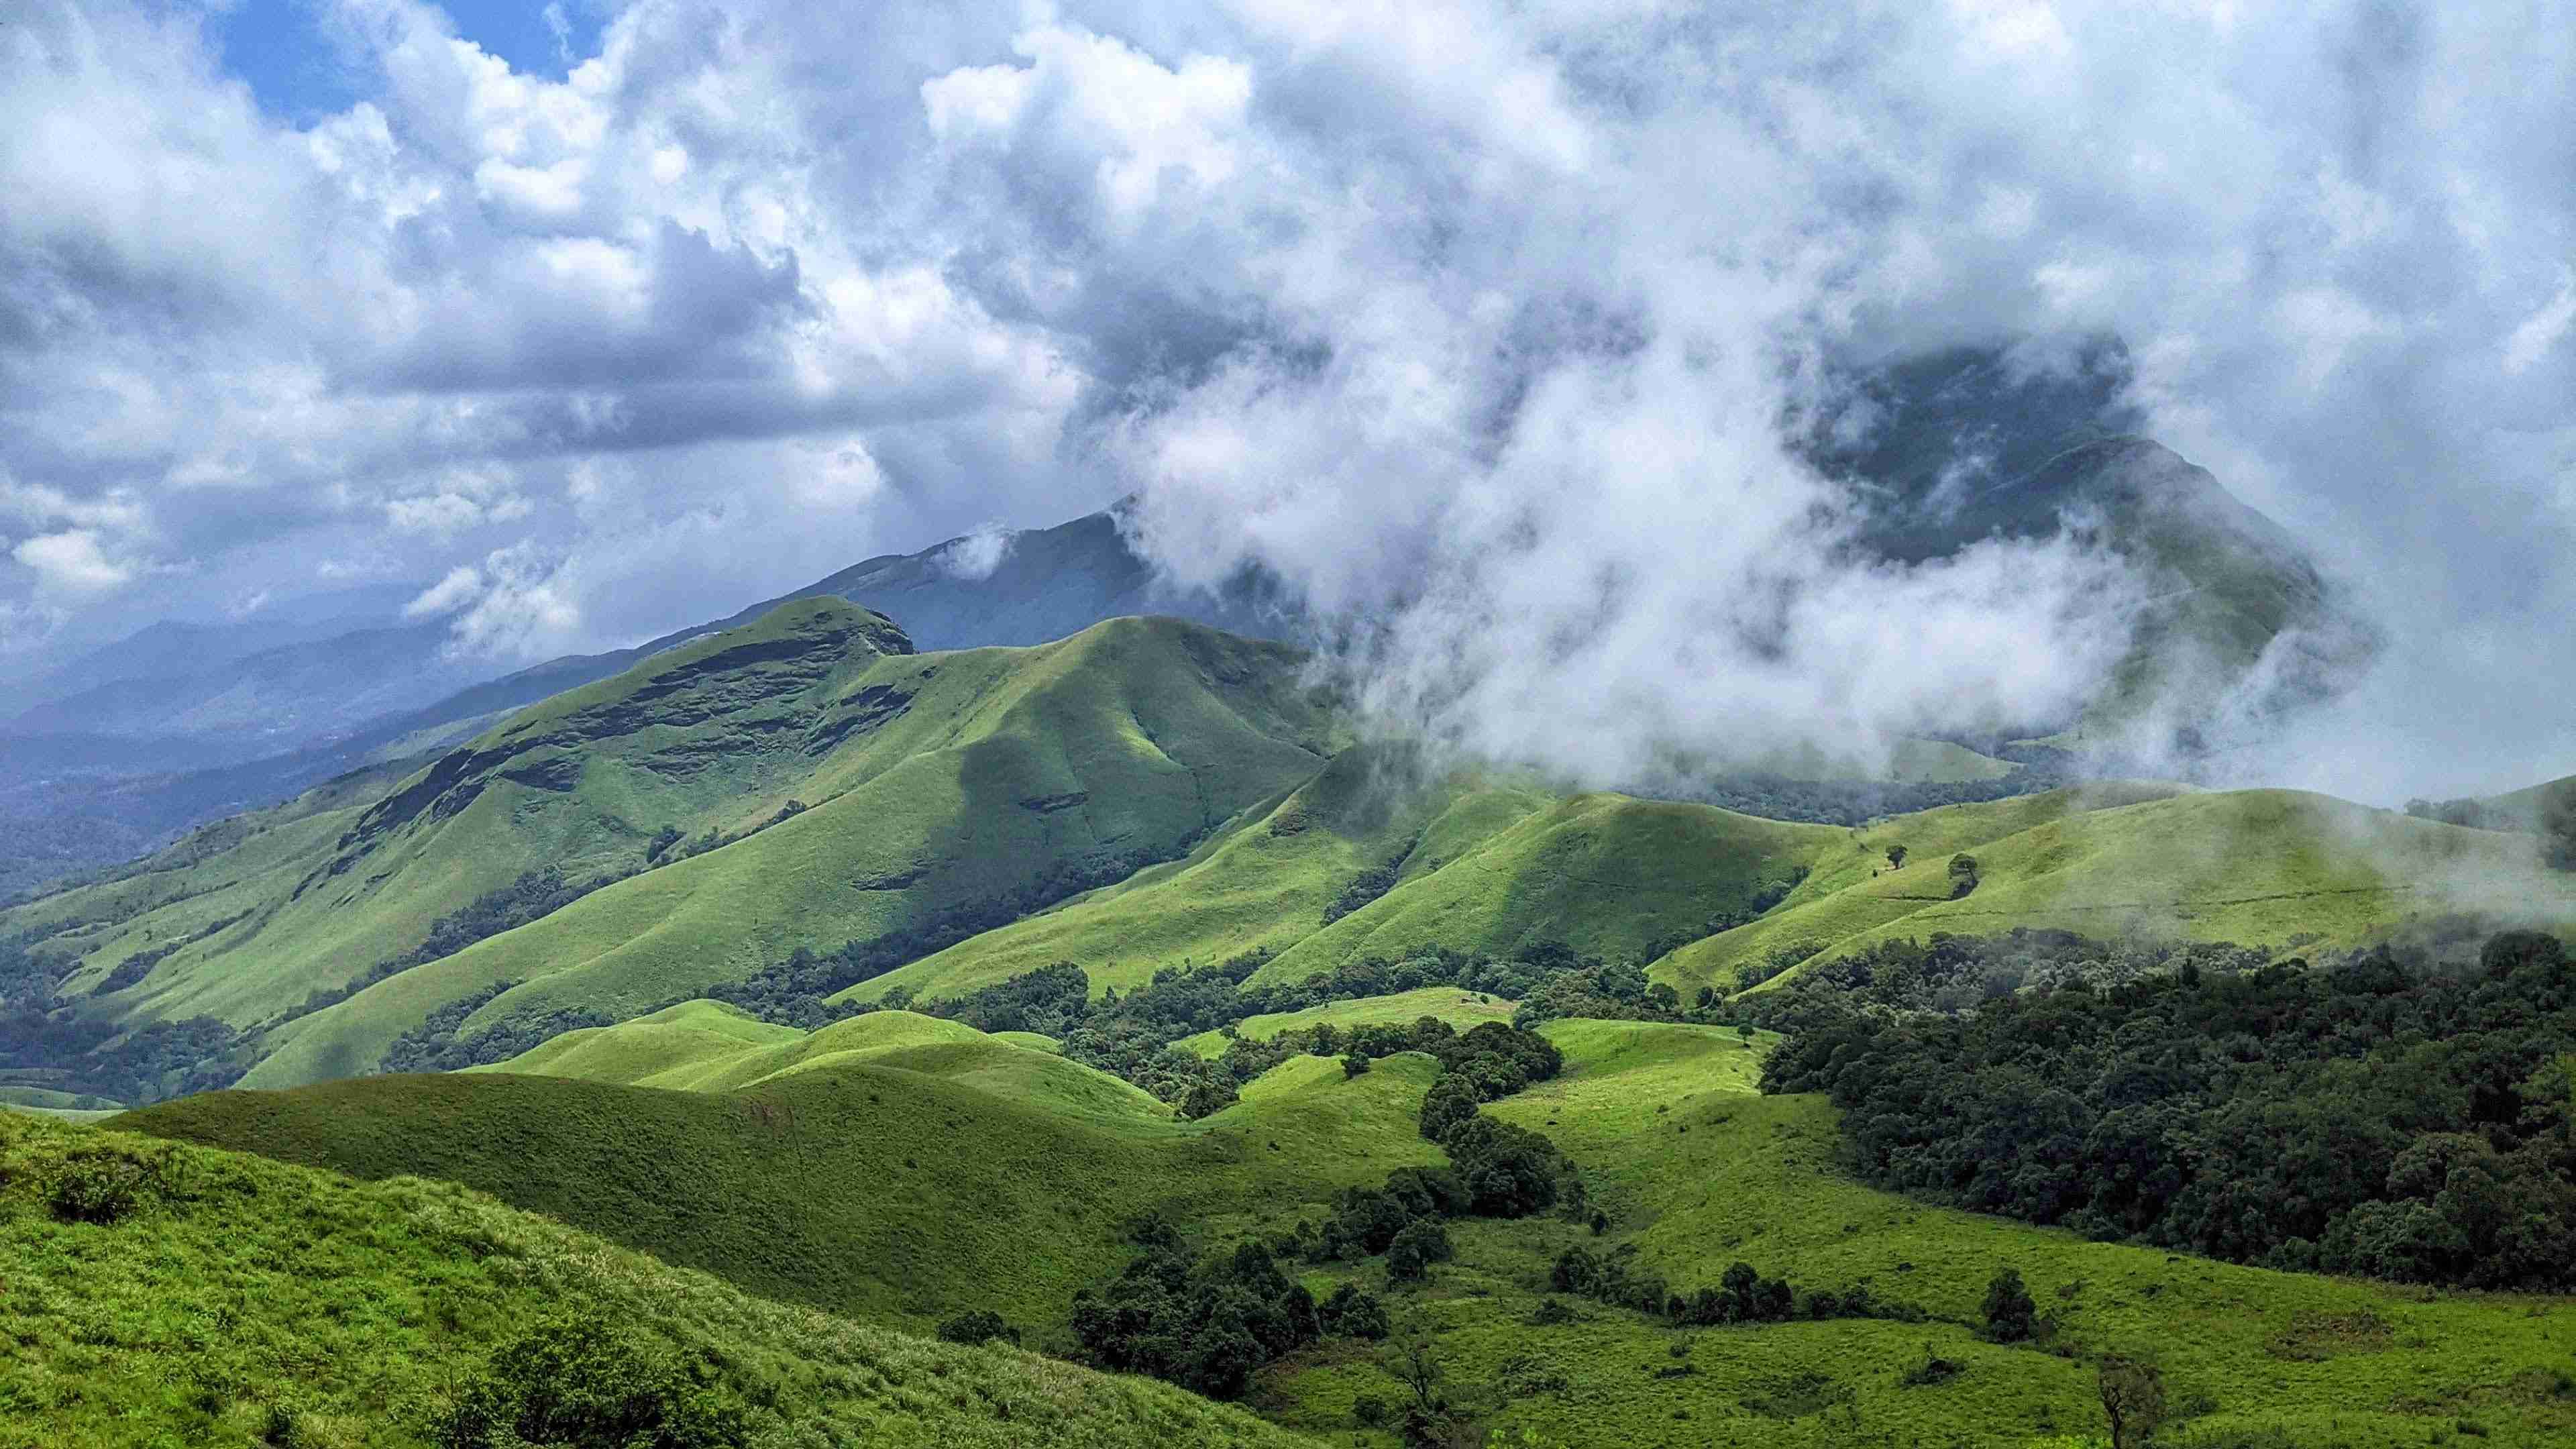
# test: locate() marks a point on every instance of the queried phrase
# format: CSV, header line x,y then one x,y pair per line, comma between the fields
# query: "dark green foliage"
x,y
98,1186
2010,1315
2392,1113
1963,875
1934,1370
1353,1065
1896,857
1354,1312
1207,1098
977,1326
1367,886
1421,1243
1509,1172
1449,1102
1206,1326
1132,1037
578,1384
1766,893
96,1057
433,1046
1741,1296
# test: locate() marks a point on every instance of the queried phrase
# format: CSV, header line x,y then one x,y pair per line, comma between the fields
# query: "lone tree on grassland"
x,y
2133,1396
2010,1314
1896,857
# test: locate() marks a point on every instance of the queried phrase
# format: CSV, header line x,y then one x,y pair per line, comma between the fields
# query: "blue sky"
x,y
282,48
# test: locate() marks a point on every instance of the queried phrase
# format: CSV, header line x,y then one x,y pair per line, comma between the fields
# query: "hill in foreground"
x,y
891,1166
168,1294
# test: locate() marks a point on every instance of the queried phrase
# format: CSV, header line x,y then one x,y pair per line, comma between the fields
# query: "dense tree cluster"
x,y
1205,1325
434,1046
2389,1113
1958,973
42,1044
1367,886
1741,1296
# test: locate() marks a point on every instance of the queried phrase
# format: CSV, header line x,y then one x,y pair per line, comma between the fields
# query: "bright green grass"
x,y
1461,1009
355,1308
927,1175
1605,873
2261,867
1699,1172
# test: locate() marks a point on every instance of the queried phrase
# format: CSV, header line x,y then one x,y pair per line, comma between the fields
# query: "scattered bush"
x,y
980,1326
97,1186
578,1384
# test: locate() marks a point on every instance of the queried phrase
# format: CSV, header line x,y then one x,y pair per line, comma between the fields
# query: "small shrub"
x,y
578,1384
97,1187
980,1326
1552,1311
1370,1412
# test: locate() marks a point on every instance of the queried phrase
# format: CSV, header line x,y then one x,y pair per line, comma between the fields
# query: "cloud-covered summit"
x,y
1480,321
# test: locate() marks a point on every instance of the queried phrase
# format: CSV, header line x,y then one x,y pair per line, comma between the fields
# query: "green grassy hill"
x,y
2260,867
890,1166
248,1302
1698,1172
944,790
1481,867
1605,873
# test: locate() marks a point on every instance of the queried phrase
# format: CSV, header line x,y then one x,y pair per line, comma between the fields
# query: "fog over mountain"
x,y
1521,343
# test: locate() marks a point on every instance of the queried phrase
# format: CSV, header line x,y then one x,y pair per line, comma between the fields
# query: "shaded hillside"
x,y
189,1296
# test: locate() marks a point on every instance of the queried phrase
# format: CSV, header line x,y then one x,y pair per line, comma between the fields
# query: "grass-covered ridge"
x,y
2259,867
240,1301
902,1169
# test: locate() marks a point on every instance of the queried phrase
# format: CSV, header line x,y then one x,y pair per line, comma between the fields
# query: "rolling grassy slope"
x,y
1264,882
1697,1172
1605,873
2261,867
940,786
903,1170
253,1302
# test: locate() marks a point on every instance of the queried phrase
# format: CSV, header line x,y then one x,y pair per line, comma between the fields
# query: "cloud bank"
x,y
1475,322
